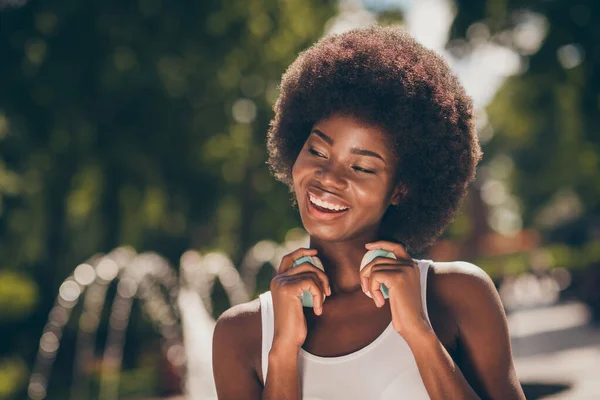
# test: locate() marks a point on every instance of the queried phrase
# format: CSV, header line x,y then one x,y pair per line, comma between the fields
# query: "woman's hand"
x,y
287,288
403,280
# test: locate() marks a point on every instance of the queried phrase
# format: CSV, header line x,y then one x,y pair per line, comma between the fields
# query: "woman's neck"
x,y
341,261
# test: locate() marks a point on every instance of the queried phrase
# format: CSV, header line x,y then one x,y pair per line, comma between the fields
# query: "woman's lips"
x,y
328,197
322,215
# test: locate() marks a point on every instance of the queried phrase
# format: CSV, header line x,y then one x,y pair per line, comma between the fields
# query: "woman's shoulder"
x,y
241,320
237,340
459,284
462,271
239,327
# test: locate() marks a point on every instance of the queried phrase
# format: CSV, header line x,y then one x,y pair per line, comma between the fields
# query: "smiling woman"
x,y
390,84
348,164
374,137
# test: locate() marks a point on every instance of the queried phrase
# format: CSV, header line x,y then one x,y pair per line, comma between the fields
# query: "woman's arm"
x,y
282,378
441,376
231,360
233,371
486,368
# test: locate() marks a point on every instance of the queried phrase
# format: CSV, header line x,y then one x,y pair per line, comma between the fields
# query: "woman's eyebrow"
x,y
354,150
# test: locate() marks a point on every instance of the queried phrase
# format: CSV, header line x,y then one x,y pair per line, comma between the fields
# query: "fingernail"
x,y
328,291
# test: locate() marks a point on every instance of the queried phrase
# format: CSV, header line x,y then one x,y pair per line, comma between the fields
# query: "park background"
x,y
143,124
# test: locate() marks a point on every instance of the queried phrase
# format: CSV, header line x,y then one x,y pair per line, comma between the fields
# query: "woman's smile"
x,y
344,175
323,213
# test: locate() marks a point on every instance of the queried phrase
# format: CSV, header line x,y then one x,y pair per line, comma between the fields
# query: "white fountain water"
x,y
180,308
143,276
97,282
98,271
197,278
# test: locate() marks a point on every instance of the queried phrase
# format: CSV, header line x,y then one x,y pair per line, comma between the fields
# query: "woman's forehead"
x,y
350,131
349,127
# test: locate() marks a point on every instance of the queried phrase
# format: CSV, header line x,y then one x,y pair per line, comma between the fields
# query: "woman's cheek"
x,y
297,168
300,164
370,194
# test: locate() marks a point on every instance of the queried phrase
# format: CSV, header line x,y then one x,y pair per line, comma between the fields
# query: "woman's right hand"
x,y
286,290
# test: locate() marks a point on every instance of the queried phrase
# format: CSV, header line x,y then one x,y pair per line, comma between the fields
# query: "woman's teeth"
x,y
326,205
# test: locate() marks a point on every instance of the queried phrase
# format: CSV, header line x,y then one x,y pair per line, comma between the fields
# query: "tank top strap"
x,y
423,270
268,328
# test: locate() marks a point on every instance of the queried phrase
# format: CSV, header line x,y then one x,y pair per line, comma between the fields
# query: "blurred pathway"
x,y
556,352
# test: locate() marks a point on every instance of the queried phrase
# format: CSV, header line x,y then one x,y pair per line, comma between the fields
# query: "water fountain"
x,y
141,276
180,308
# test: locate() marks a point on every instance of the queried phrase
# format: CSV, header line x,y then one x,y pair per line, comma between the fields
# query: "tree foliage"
x,y
139,123
546,118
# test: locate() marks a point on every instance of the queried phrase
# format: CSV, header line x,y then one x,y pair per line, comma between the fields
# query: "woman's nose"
x,y
331,177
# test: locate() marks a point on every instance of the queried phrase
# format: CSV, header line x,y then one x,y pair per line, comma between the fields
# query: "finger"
x,y
288,260
385,263
311,275
378,261
295,285
312,284
398,249
364,283
375,282
308,267
297,281
367,270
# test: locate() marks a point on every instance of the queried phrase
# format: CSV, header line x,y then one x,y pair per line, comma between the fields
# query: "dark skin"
x,y
466,352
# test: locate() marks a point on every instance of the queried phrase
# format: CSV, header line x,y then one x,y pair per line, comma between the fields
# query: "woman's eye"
x,y
316,153
364,170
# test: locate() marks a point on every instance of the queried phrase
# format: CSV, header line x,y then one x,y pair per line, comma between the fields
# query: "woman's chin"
x,y
321,233
327,233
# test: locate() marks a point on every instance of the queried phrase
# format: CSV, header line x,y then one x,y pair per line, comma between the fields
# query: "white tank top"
x,y
385,369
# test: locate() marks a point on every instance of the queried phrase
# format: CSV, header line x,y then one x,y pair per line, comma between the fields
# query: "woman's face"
x,y
348,166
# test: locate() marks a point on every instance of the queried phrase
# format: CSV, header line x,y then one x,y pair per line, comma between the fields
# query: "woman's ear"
x,y
400,192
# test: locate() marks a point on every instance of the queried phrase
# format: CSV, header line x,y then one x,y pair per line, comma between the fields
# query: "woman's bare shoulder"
x,y
456,270
241,322
474,304
460,283
236,349
239,330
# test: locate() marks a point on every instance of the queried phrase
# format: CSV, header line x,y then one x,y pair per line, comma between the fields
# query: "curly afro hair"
x,y
383,77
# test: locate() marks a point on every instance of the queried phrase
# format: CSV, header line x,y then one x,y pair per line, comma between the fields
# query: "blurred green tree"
x,y
545,118
139,123
546,122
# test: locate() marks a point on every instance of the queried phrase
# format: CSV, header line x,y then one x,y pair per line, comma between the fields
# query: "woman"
x,y
375,138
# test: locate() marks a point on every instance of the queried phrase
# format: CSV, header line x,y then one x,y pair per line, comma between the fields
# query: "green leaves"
x,y
546,118
18,296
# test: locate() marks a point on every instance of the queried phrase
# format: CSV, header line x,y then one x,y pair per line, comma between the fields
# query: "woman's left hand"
x,y
402,278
